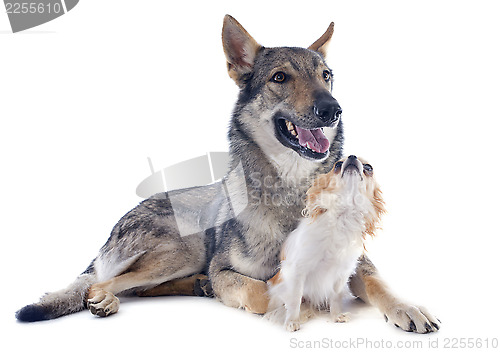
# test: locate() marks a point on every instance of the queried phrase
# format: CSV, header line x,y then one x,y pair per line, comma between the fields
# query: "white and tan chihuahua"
x,y
342,207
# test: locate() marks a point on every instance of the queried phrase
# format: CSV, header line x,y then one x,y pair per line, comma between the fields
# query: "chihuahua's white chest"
x,y
323,255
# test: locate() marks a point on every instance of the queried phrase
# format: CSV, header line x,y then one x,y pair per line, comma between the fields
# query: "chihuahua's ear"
x,y
321,44
322,183
373,220
240,49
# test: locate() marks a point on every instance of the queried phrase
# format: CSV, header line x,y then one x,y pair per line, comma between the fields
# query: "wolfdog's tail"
x,y
62,302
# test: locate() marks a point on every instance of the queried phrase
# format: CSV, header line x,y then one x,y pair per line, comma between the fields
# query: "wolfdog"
x,y
285,129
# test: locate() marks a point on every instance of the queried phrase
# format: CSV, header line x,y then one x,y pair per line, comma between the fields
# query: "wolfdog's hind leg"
x,y
101,299
194,285
151,270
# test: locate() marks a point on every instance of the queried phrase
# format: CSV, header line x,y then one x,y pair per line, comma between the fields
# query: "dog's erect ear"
x,y
240,48
321,44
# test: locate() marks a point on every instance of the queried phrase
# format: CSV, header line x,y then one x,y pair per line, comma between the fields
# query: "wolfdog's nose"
x,y
327,108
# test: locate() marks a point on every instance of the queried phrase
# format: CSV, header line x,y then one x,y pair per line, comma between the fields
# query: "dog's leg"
x,y
367,285
335,301
336,314
240,291
195,285
293,300
149,270
101,299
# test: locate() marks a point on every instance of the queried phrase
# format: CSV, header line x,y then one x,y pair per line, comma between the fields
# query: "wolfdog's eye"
x,y
279,77
327,75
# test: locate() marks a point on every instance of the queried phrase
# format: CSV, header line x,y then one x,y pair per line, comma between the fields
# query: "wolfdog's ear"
x,y
240,48
321,44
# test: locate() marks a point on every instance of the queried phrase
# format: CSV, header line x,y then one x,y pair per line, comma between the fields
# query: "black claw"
x,y
427,328
396,325
203,288
436,326
439,320
386,319
412,326
207,287
198,291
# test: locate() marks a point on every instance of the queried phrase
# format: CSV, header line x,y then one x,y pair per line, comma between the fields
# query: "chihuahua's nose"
x,y
327,108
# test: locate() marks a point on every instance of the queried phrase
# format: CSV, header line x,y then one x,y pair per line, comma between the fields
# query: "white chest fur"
x,y
323,254
320,256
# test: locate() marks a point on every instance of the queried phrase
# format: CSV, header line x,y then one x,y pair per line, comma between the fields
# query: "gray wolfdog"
x,y
285,129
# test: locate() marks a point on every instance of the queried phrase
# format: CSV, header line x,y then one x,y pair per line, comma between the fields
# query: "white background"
x,y
86,98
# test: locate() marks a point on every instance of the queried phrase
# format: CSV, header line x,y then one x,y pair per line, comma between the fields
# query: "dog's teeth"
x,y
291,128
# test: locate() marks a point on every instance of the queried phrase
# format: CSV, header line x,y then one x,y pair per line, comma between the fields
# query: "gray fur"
x,y
56,304
232,252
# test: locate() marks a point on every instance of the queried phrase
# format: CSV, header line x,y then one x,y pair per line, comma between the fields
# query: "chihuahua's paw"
x,y
292,325
342,317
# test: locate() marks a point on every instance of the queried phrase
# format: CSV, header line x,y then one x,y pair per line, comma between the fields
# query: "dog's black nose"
x,y
352,157
327,108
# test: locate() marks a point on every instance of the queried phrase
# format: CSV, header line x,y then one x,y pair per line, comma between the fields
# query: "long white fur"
x,y
321,255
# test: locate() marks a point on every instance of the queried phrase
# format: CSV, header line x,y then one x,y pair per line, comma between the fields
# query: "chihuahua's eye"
x,y
338,166
368,167
279,77
327,76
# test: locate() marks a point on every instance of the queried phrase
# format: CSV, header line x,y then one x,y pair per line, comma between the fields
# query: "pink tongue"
x,y
315,138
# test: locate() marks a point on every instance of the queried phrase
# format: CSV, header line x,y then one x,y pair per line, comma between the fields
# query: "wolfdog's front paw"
x,y
411,318
102,303
256,298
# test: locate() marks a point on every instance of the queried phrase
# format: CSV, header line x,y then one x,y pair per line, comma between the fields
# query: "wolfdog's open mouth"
x,y
310,143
